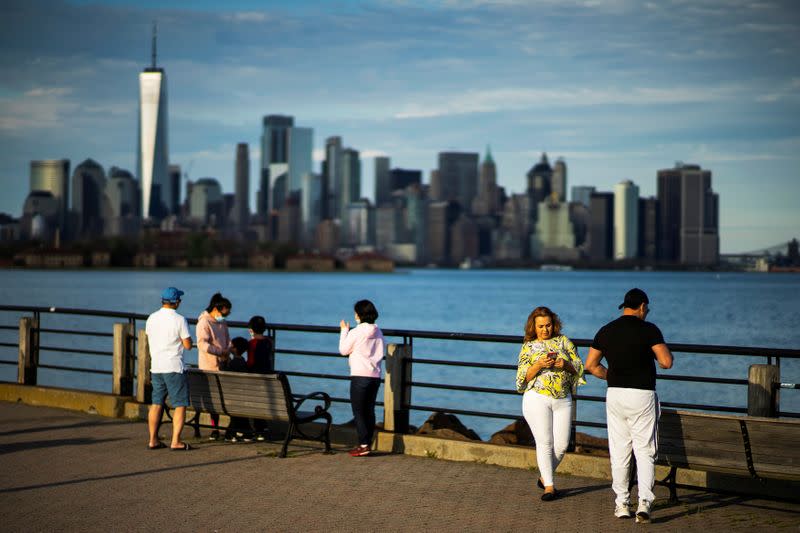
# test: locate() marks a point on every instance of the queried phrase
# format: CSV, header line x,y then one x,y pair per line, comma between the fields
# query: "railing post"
x,y
144,388
28,357
122,380
397,388
762,395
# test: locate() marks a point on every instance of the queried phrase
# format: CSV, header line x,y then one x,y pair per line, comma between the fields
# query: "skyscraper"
x,y
88,192
153,155
668,182
699,217
331,188
241,206
582,194
626,220
540,178
601,227
559,180
486,201
310,201
383,190
175,187
458,177
350,189
52,175
282,142
648,228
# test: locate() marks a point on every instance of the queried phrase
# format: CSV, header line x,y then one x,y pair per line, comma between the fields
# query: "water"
x,y
705,308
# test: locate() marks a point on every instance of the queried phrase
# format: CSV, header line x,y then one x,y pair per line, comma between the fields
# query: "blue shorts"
x,y
173,384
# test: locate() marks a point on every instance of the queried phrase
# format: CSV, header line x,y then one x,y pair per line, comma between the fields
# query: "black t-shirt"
x,y
627,345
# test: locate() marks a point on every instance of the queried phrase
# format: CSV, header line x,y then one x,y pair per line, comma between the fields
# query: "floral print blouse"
x,y
553,382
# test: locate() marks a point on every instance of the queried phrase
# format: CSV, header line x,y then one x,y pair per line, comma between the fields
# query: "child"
x,y
365,346
260,351
239,428
260,360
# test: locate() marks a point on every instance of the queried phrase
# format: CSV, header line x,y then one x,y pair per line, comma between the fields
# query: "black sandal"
x,y
185,447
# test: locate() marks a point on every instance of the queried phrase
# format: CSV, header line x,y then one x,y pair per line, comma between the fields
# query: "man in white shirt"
x,y
168,335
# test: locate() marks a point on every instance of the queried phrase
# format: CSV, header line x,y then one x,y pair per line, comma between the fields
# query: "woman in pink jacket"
x,y
364,346
214,342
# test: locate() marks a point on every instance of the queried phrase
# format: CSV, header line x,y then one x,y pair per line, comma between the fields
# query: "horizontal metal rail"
x,y
465,388
74,350
74,369
11,363
307,352
10,328
9,344
74,332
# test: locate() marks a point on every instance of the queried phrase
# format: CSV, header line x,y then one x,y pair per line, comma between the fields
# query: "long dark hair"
x,y
218,302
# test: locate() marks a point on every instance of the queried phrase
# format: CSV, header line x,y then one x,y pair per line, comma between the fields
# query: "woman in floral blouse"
x,y
549,368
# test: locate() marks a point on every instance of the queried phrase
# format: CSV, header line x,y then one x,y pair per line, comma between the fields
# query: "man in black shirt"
x,y
631,346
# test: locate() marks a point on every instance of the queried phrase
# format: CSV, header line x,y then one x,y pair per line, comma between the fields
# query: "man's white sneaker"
x,y
623,511
643,512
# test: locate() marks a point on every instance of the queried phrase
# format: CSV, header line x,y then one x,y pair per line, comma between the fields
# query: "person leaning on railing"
x,y
547,371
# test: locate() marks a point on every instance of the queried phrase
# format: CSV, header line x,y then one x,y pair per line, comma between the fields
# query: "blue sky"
x,y
619,88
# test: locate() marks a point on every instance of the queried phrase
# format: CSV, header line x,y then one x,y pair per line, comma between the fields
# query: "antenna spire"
x,y
155,31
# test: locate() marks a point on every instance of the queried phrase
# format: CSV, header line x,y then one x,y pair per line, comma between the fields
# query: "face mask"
x,y
220,318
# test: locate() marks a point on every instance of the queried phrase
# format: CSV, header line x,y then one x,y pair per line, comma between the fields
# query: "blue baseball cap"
x,y
171,295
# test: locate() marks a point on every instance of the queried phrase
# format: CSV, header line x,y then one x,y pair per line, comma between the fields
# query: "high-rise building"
x,y
441,216
400,178
241,209
458,177
626,220
601,227
582,194
648,228
52,175
153,153
310,206
554,236
283,142
350,186
121,208
175,187
486,201
540,178
464,239
332,178
88,193
289,219
360,223
383,189
699,218
279,185
207,204
668,182
559,180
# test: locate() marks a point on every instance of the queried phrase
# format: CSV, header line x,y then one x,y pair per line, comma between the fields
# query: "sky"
x,y
618,88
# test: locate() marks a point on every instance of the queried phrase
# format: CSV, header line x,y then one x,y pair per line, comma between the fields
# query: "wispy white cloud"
x,y
48,91
247,16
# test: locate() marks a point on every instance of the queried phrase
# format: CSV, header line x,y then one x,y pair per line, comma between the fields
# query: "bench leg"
x,y
671,482
289,432
327,436
196,424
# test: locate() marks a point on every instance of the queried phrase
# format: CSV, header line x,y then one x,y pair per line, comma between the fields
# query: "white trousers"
x,y
632,418
550,420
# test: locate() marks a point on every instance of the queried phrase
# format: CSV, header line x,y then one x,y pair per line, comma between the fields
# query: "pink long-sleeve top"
x,y
212,340
365,347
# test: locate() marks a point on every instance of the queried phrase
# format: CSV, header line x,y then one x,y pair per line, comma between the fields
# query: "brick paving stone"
x,y
71,471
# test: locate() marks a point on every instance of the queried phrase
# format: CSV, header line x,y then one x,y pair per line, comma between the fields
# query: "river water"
x,y
740,309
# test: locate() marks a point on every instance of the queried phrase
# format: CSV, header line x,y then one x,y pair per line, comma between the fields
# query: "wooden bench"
x,y
262,396
762,448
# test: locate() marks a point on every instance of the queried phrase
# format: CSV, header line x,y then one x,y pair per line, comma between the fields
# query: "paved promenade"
x,y
67,471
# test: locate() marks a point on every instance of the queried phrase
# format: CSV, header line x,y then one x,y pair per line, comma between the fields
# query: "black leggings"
x,y
363,393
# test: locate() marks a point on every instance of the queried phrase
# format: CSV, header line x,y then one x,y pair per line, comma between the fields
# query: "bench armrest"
x,y
322,396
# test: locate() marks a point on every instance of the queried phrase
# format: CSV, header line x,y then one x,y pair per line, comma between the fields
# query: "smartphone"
x,y
552,355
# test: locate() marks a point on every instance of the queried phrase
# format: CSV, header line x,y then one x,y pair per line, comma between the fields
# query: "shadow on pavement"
x,y
38,444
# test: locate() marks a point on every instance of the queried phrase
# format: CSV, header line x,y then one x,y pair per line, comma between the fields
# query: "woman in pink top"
x,y
214,342
364,346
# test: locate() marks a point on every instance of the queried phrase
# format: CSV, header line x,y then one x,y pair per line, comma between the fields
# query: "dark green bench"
x,y
262,396
762,448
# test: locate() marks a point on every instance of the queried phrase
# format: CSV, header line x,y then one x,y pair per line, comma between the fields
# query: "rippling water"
x,y
743,309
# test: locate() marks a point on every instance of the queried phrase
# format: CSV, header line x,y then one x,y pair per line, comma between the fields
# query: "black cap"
x,y
634,298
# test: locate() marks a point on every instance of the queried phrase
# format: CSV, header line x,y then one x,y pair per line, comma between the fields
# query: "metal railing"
x,y
771,356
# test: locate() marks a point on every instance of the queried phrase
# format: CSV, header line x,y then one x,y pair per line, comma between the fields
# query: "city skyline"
x,y
615,105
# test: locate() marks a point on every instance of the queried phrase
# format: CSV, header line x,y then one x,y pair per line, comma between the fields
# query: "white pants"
x,y
550,420
632,418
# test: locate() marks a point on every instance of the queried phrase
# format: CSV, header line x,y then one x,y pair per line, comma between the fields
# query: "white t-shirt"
x,y
166,330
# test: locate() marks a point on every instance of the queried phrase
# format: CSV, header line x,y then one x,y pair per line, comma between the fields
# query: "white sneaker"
x,y
623,511
643,512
